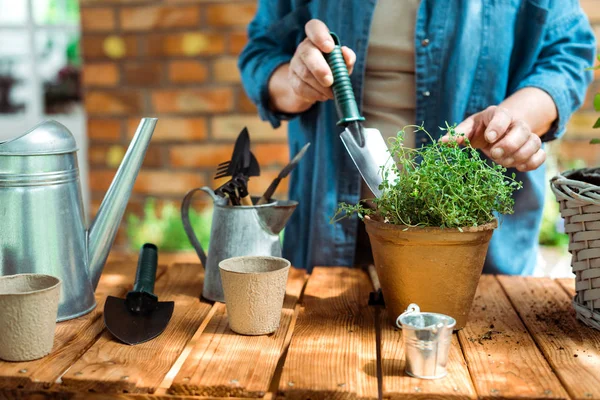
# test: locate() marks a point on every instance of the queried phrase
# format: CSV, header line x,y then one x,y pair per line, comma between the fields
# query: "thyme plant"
x,y
441,185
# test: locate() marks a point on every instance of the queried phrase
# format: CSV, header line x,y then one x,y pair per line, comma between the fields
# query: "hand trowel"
x,y
139,317
366,146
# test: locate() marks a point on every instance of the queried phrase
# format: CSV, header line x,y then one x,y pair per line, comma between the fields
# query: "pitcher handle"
x,y
187,226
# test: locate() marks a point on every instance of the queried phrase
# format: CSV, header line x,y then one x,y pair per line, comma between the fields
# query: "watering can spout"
x,y
104,228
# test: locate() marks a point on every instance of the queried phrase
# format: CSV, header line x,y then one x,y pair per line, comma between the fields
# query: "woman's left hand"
x,y
507,140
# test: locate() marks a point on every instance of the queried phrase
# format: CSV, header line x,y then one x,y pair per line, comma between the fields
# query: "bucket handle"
x,y
185,218
411,309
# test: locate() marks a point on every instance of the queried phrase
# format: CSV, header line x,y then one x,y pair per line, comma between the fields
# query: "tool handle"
x,y
342,88
269,192
246,200
146,270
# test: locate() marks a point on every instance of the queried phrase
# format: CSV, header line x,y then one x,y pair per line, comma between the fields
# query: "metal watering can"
x,y
42,216
236,231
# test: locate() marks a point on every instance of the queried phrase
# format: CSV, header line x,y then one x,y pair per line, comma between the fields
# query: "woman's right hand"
x,y
296,86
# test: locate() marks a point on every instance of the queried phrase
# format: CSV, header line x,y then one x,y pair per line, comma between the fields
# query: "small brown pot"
x,y
436,268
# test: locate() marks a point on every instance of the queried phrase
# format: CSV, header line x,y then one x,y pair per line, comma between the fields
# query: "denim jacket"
x,y
469,54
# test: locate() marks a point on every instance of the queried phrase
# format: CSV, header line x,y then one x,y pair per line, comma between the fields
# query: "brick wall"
x,y
176,60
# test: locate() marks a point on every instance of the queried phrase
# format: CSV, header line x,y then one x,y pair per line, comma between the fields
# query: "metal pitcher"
x,y
41,211
236,231
427,338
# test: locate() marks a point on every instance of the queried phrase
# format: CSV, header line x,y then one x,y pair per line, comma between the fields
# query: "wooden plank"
x,y
72,337
226,364
110,366
568,284
571,348
397,384
503,359
18,394
332,353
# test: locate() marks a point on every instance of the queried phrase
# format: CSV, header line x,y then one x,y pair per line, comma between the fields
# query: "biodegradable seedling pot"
x,y
254,288
28,312
437,268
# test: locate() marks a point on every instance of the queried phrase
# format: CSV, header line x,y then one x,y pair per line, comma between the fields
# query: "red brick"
x,y
245,105
94,47
192,100
237,41
173,129
103,129
143,73
157,17
97,19
199,156
185,44
258,184
110,156
167,182
225,70
187,71
592,9
113,102
151,182
271,154
100,74
235,14
229,127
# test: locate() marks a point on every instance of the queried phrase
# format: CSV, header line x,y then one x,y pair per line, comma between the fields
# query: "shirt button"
x,y
425,42
426,93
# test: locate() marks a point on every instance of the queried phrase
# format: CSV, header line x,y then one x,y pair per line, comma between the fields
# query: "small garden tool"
x,y
241,167
365,145
140,316
266,197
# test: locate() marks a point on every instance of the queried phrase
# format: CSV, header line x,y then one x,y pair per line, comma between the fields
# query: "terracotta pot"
x,y
28,311
436,268
254,288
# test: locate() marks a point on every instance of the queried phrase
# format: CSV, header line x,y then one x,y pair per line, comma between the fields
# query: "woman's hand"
x,y
296,86
507,140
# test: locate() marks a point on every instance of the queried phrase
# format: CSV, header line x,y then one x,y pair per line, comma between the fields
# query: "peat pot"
x,y
437,268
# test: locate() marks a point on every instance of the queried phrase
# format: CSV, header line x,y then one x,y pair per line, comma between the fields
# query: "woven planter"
x,y
580,207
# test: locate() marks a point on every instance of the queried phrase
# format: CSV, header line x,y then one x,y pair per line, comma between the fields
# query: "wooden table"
x,y
522,341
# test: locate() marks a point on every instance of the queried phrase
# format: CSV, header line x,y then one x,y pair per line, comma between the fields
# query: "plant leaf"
x,y
597,124
595,141
597,102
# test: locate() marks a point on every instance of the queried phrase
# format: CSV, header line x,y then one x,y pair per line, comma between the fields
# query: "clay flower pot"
x,y
436,268
254,288
28,311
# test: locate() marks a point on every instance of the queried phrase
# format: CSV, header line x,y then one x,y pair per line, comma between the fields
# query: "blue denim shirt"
x,y
478,53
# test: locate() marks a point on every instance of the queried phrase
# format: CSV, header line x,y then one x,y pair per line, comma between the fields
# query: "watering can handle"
x,y
189,231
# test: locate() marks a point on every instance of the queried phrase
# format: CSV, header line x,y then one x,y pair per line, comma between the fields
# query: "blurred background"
x,y
98,66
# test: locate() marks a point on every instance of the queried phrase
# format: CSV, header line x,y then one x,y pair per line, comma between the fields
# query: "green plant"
x,y
441,185
165,229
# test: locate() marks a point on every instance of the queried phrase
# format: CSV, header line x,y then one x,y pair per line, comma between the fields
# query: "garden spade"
x,y
366,146
139,317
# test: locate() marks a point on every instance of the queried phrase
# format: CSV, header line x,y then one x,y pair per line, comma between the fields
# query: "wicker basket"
x,y
580,207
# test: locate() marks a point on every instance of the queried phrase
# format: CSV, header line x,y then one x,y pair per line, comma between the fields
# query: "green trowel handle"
x,y
342,88
146,270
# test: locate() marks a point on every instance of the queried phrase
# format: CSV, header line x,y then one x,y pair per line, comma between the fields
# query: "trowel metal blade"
x,y
133,328
369,156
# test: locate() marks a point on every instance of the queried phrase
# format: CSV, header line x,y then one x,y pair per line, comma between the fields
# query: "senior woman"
x,y
510,71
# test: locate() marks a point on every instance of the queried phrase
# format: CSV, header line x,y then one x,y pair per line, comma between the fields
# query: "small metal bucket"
x,y
427,338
